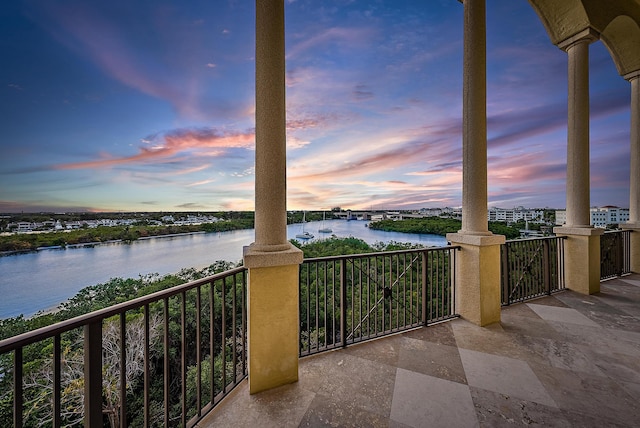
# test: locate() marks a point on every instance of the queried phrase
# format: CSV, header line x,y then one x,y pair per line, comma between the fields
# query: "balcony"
x,y
561,360
367,358
569,358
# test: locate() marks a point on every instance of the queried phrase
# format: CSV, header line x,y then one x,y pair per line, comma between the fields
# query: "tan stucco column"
x,y
634,184
582,246
272,261
478,266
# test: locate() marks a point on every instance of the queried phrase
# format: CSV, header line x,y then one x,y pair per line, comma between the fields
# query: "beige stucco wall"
x,y
581,258
273,318
478,277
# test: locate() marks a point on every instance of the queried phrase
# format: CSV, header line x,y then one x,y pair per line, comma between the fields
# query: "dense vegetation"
x,y
439,226
228,352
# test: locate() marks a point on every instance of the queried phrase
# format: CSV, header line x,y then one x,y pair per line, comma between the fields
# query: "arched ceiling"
x,y
622,38
617,22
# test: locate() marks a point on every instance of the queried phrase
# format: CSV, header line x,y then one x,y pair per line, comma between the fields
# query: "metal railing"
x,y
531,268
349,299
615,253
163,359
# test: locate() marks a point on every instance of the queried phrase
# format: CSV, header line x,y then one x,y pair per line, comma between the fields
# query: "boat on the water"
x,y
324,229
304,234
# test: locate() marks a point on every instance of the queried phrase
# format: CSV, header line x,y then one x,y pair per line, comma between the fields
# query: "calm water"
x,y
41,280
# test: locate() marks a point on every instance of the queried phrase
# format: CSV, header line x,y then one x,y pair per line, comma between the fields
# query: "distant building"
x,y
516,214
600,216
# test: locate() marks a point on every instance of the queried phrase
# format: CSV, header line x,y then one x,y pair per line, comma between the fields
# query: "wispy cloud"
x,y
341,36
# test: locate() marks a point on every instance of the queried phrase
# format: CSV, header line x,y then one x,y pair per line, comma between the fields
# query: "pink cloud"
x,y
206,141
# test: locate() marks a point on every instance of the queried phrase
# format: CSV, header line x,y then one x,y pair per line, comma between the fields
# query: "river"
x,y
41,280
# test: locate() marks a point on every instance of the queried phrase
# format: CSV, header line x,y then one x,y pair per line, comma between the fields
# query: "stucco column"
x,y
474,120
271,167
582,246
578,187
634,184
478,267
272,309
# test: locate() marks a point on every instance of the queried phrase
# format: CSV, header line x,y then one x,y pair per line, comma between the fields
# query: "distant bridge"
x,y
370,215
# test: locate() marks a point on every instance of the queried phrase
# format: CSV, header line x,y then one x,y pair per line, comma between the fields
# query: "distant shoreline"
x,y
97,243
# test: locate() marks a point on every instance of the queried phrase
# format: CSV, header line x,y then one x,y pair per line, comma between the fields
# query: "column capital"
x,y
578,230
588,35
255,256
475,240
631,76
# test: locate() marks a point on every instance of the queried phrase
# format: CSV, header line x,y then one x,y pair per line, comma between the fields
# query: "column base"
x,y
581,258
478,277
272,317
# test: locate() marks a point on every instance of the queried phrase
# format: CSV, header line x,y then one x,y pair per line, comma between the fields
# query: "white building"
x,y
600,216
516,214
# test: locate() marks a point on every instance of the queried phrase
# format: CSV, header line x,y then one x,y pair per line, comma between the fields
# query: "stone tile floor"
x,y
566,360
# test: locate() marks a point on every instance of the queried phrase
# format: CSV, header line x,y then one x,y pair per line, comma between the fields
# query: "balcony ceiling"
x,y
617,22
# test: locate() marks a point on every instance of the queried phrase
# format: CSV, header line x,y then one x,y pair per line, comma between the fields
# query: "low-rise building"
x,y
599,216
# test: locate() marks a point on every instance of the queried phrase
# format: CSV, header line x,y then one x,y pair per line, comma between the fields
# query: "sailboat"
x,y
324,229
303,234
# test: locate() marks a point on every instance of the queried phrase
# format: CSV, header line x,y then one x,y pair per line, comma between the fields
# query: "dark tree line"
x,y
440,226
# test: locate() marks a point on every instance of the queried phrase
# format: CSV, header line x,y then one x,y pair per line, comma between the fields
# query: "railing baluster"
x,y
198,352
223,335
57,381
123,370
146,378
93,374
546,261
234,326
423,274
166,372
343,303
183,357
212,339
244,323
17,388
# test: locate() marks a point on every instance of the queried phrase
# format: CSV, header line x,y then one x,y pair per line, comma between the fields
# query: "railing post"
x,y
546,270
93,374
425,317
343,303
619,254
505,273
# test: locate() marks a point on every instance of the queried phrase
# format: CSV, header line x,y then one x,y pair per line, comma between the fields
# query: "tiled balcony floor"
x,y
567,360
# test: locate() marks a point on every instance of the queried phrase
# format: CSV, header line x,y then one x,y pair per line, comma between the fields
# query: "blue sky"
x,y
148,106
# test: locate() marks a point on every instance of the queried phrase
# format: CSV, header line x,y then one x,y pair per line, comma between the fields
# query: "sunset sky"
x,y
148,105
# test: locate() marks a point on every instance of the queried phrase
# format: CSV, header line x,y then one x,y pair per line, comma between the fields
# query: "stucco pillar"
x,y
582,246
272,261
478,267
634,184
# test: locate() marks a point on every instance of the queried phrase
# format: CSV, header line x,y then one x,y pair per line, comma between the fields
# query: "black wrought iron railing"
x,y
615,253
349,299
531,268
160,360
